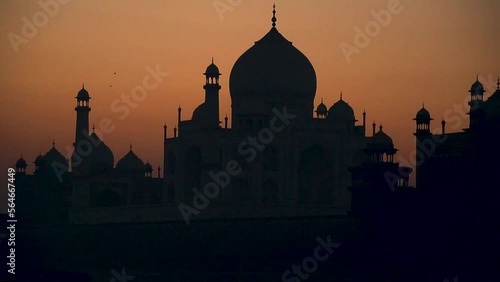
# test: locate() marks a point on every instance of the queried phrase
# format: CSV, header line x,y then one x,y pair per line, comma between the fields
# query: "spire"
x,y
477,78
340,95
380,127
212,60
423,105
53,143
498,83
274,15
93,128
83,85
321,100
130,146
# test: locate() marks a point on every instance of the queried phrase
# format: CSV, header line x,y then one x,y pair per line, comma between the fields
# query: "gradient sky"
x,y
430,52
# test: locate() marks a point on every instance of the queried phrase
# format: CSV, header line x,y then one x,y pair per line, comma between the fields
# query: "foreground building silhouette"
x,y
297,173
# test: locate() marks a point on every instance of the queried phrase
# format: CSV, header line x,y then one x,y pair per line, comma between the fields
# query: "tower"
x,y
377,177
82,116
476,113
424,136
212,88
78,164
21,166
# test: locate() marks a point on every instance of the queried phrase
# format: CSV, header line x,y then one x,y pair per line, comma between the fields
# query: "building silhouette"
x,y
299,172
292,166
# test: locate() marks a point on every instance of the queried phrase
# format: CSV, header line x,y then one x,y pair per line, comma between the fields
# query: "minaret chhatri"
x,y
212,88
424,136
82,116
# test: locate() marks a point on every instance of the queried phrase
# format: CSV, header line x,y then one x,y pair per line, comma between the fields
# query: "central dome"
x,y
272,72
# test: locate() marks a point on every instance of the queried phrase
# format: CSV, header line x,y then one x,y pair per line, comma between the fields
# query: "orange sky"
x,y
430,51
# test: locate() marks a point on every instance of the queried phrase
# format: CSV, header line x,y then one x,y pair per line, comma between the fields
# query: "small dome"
x,y
423,114
381,141
212,69
83,94
321,109
199,112
477,87
21,163
148,167
40,160
53,155
101,157
130,163
341,111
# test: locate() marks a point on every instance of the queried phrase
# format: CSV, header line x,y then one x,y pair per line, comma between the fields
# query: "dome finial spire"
x,y
477,77
83,85
340,95
212,59
130,146
53,143
93,128
274,15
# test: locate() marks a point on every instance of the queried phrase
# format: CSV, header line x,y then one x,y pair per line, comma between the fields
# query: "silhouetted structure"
x,y
293,164
298,177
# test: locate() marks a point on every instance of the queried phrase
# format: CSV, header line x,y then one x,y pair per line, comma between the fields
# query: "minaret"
x,y
424,135
476,103
82,116
212,88
21,166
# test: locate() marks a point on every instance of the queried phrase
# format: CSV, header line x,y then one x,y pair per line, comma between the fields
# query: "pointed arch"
x,y
270,158
270,192
315,175
192,171
240,191
171,163
171,193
